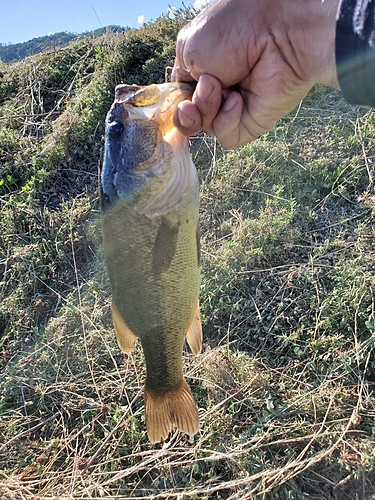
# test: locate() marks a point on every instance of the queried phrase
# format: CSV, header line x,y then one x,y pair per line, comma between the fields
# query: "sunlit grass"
x,y
285,381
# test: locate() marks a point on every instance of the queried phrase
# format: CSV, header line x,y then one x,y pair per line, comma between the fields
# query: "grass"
x,y
285,383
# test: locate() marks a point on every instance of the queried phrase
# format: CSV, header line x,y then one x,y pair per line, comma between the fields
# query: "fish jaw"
x,y
146,161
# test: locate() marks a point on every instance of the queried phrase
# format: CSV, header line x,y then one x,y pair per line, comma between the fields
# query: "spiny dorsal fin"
x,y
194,334
167,410
125,337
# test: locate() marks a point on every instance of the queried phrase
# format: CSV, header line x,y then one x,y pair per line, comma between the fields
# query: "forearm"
x,y
308,28
355,50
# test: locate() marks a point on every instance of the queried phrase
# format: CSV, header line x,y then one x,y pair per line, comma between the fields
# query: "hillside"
x,y
18,51
285,383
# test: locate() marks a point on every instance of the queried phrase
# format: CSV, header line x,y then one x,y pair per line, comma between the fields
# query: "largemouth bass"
x,y
151,245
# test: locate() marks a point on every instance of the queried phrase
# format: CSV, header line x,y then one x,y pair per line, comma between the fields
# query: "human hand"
x,y
254,60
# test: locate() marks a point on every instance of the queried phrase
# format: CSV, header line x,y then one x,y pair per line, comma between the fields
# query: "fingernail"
x,y
184,119
204,88
230,103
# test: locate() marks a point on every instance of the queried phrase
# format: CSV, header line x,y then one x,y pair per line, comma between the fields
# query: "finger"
x,y
181,74
261,112
227,124
207,99
236,124
258,116
187,118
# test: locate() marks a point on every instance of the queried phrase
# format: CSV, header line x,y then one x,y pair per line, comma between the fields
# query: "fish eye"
x,y
115,129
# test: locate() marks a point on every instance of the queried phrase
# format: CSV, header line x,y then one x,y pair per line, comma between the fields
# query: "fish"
x,y
150,204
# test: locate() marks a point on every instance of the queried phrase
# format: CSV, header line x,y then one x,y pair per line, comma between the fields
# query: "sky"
x,y
22,20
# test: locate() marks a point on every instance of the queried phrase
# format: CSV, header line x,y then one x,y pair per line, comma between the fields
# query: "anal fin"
x,y
194,334
125,337
167,410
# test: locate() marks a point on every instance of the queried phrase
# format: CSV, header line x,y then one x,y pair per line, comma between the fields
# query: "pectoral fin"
x,y
165,246
194,334
125,337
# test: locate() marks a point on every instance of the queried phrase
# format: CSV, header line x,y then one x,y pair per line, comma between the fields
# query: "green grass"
x,y
285,383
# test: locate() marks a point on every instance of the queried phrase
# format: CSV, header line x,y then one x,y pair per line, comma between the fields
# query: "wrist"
x,y
311,35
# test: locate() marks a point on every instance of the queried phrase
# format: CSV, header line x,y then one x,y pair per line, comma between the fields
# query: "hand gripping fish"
x,y
151,245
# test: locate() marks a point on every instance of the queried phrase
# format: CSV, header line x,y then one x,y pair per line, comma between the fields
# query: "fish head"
x,y
145,155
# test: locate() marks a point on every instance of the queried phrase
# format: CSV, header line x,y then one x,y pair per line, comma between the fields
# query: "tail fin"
x,y
170,409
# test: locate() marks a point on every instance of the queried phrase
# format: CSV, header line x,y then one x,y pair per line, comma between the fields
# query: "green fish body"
x,y
151,246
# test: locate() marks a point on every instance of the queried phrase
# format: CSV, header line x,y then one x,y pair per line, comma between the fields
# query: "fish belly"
x,y
154,271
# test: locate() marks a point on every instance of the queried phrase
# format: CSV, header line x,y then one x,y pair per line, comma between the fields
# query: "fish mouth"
x,y
144,96
155,102
158,101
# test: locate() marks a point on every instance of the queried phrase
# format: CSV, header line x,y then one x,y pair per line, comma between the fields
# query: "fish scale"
x,y
151,246
151,301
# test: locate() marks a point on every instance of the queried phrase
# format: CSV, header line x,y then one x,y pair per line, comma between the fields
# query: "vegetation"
x,y
17,51
285,384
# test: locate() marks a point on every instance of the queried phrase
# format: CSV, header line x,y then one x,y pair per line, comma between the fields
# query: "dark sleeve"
x,y
355,50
